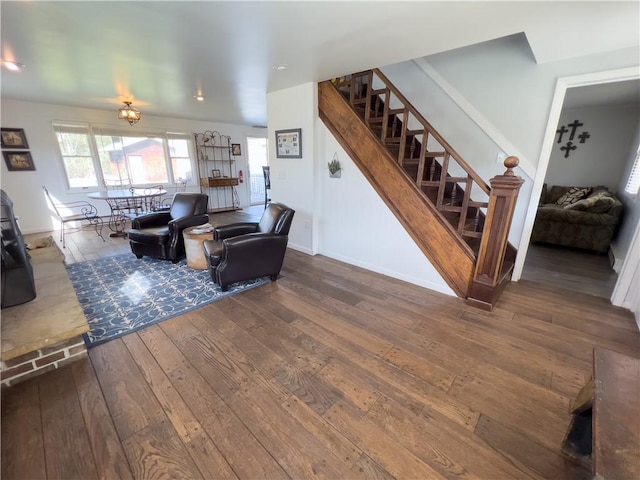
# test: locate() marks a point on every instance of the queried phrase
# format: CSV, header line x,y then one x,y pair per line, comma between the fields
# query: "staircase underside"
x,y
436,238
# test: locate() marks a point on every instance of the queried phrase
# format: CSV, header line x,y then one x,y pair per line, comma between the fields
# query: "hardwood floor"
x,y
332,371
573,269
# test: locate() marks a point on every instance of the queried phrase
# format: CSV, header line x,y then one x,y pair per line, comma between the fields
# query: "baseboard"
x,y
300,248
615,260
394,274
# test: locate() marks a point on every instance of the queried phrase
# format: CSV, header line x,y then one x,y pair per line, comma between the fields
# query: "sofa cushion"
x,y
599,202
573,195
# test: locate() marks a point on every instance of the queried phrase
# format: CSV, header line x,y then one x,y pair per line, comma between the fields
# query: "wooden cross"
x,y
583,136
574,126
562,130
567,149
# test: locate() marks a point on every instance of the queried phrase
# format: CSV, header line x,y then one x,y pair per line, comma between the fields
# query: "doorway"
x,y
601,78
257,157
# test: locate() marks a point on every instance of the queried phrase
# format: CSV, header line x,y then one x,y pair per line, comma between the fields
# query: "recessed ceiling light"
x,y
280,67
199,97
13,66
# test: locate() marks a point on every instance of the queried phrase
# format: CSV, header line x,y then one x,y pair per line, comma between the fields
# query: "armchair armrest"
x,y
181,223
254,250
150,220
234,229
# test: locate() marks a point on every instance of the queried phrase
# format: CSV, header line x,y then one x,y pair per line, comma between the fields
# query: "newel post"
x,y
491,273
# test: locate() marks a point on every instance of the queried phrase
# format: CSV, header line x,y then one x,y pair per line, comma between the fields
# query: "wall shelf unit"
x,y
217,171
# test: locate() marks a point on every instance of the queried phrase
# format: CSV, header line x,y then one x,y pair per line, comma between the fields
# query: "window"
x,y
633,184
97,157
76,156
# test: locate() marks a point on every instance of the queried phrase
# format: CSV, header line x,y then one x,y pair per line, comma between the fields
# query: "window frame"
x,y
92,131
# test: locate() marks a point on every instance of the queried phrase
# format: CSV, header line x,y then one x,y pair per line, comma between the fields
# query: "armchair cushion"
x,y
159,234
149,220
243,251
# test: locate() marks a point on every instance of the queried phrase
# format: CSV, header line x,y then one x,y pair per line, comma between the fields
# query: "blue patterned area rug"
x,y
122,294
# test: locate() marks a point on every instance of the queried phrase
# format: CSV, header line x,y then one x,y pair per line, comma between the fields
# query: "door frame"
x,y
563,83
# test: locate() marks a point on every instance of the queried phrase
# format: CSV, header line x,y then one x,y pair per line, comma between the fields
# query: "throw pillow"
x,y
598,203
573,195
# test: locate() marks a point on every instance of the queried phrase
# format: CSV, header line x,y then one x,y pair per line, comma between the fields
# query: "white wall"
x,y
357,227
341,218
25,188
457,128
603,158
501,79
293,180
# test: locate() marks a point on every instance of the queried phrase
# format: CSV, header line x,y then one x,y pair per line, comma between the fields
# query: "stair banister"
x,y
490,267
428,127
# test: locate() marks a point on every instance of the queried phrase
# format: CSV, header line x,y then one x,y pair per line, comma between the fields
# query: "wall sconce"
x,y
129,113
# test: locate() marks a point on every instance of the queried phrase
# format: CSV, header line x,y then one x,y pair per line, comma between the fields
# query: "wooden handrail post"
x,y
491,272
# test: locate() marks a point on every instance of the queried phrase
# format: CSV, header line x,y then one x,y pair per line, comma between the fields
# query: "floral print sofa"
x,y
581,217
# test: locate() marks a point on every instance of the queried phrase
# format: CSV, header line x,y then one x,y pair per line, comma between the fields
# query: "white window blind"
x,y
633,184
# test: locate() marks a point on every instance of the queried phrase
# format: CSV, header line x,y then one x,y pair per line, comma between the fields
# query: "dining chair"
x,y
74,212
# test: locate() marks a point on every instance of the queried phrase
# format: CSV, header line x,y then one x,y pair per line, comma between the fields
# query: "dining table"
x,y
126,204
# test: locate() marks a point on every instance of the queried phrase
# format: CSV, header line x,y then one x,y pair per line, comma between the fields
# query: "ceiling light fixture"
x,y
199,97
13,66
129,113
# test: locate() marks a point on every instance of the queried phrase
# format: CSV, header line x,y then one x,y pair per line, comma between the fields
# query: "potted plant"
x,y
334,167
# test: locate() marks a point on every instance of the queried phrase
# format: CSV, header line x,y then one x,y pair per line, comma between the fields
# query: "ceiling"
x,y
619,93
160,54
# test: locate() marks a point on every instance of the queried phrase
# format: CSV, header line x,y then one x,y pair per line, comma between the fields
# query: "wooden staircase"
x,y
426,183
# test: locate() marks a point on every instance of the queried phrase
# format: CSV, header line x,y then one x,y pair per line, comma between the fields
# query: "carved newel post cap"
x,y
510,163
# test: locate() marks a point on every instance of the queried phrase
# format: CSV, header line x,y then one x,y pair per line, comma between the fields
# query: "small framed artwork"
x,y
17,161
289,143
13,138
235,149
215,173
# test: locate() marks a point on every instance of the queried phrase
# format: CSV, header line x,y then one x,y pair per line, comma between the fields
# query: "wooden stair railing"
x,y
416,147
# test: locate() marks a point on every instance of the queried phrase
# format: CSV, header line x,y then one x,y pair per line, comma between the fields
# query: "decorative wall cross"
x,y
572,130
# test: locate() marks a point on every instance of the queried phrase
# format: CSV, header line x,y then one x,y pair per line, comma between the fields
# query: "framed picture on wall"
x,y
289,143
18,161
235,149
13,138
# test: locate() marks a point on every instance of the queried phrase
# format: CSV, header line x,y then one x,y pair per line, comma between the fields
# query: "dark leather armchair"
x,y
159,234
243,251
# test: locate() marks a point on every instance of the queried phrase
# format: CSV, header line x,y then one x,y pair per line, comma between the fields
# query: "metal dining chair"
x,y
74,212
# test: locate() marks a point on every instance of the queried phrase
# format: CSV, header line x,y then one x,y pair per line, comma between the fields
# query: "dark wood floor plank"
x,y
259,372
300,453
394,382
157,452
63,424
529,456
21,429
130,399
544,427
432,442
246,456
334,323
330,371
330,437
199,445
385,451
108,454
